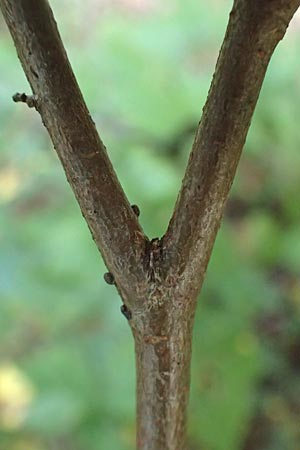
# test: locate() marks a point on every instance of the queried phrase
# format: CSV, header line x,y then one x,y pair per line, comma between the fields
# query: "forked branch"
x,y
255,28
160,279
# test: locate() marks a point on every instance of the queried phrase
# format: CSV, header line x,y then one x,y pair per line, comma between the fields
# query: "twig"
x,y
255,28
113,223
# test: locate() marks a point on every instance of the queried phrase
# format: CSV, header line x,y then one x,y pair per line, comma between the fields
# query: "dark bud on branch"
x,y
30,100
136,210
109,278
126,312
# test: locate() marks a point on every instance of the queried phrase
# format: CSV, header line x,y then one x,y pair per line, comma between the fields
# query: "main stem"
x,y
163,358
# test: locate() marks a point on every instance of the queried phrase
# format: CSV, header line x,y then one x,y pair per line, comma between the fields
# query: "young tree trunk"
x,y
159,279
163,377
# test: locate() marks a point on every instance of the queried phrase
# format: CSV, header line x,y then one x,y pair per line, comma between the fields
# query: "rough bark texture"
x,y
112,222
158,280
255,28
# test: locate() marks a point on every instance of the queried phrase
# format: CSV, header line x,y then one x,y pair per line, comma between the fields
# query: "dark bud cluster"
x,y
109,278
126,312
136,210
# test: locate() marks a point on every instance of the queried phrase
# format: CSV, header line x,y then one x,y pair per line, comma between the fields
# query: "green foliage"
x,y
67,362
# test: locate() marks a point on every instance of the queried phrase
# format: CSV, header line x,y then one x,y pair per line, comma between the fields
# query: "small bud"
x,y
126,312
109,278
30,100
136,210
19,97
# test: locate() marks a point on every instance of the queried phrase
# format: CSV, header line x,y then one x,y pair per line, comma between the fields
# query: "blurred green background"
x,y
66,353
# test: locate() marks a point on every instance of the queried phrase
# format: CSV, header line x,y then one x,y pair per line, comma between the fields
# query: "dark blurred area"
x,y
66,353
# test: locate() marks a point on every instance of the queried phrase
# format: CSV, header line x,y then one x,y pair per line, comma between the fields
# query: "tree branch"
x,y
161,278
255,28
59,101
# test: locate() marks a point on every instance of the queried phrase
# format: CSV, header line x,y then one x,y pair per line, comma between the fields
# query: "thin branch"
x,y
255,28
113,223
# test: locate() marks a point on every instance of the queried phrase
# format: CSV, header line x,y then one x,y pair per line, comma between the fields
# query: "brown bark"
x,y
163,366
112,222
158,280
255,28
